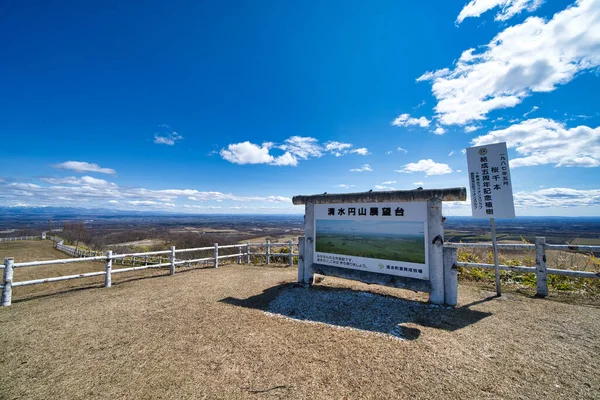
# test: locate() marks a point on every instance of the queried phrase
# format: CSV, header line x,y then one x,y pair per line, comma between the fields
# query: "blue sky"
x,y
236,106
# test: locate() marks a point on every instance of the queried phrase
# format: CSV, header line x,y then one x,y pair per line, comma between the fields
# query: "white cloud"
x,y
382,187
388,153
558,198
463,151
250,153
535,108
365,167
388,182
544,141
407,120
295,147
84,180
168,137
363,151
337,148
302,147
346,186
510,8
471,128
439,130
418,183
82,166
402,150
535,56
428,166
451,153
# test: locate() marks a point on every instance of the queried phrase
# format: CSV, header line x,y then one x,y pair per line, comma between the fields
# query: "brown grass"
x,y
203,334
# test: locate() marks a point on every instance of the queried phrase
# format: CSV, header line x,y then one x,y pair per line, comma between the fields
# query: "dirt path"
x,y
204,333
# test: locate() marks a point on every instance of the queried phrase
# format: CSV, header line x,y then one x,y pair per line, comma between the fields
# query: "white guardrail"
x,y
150,259
540,268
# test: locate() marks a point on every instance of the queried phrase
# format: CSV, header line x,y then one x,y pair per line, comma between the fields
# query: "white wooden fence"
x,y
13,239
540,268
241,252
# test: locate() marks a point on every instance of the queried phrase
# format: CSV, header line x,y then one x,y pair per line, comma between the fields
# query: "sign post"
x,y
491,190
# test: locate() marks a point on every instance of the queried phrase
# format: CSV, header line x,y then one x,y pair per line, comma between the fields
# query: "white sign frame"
x,y
396,221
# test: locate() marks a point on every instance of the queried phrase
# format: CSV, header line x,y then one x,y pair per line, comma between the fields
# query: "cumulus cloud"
x,y
471,128
439,130
168,137
82,166
365,167
509,8
544,141
406,120
535,56
295,147
429,167
250,153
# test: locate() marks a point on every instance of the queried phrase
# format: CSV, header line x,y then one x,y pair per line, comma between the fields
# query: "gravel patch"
x,y
349,309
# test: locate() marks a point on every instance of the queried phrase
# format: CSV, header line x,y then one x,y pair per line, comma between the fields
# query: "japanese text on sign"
x,y
489,182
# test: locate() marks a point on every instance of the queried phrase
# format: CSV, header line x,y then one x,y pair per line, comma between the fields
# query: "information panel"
x,y
489,181
387,238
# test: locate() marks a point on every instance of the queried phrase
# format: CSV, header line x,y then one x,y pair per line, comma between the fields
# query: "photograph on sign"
x,y
394,241
387,238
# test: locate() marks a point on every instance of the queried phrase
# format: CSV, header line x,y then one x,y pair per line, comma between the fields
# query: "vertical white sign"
x,y
489,181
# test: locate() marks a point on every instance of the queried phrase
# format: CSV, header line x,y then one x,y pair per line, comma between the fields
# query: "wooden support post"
x,y
216,255
291,262
7,279
239,259
248,252
108,269
450,276
172,260
309,242
540,265
268,253
133,261
301,259
495,251
435,231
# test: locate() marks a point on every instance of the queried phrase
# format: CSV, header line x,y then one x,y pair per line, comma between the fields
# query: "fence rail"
x,y
13,239
139,261
540,268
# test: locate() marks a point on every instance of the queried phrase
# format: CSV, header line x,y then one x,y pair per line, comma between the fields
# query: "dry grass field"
x,y
204,334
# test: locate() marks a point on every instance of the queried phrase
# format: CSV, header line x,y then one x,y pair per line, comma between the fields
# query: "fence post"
x,y
146,261
248,252
540,267
450,276
216,255
108,269
291,253
268,253
7,279
239,254
301,259
172,260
